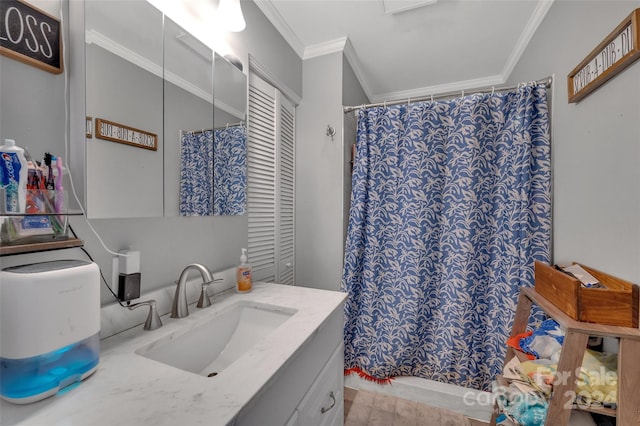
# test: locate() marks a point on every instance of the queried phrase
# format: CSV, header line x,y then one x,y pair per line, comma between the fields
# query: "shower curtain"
x,y
450,206
230,171
196,173
213,172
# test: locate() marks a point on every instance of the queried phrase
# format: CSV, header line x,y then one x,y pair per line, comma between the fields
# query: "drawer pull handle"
x,y
333,403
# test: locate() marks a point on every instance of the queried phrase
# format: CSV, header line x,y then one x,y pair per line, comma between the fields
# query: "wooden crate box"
x,y
615,304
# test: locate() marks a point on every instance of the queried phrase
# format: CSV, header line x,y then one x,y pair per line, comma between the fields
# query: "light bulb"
x,y
230,14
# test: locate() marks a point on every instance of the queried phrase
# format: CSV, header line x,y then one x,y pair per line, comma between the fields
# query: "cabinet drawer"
x,y
324,404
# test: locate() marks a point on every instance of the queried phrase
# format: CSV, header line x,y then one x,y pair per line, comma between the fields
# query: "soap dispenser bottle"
x,y
243,274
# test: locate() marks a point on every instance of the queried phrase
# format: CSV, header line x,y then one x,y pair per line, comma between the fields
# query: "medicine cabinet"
x,y
144,72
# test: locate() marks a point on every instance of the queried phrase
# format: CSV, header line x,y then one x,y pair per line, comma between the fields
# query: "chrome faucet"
x,y
180,309
153,319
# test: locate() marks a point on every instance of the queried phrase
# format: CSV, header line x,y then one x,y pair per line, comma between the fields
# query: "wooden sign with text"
x,y
114,132
30,35
617,51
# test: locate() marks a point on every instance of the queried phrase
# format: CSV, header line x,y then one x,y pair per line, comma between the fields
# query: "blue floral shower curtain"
x,y
196,173
230,171
450,205
213,172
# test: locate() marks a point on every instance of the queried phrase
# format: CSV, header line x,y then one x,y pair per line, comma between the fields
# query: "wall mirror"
x,y
188,120
229,139
145,72
124,85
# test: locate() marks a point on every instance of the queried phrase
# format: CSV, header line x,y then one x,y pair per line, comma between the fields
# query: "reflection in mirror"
x,y
124,86
213,172
230,139
188,122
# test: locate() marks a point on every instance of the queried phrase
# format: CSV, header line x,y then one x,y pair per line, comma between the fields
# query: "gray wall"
x,y
32,102
352,94
323,171
268,47
33,111
595,143
319,175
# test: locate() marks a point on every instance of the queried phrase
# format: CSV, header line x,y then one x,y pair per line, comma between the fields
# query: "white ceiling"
x,y
427,48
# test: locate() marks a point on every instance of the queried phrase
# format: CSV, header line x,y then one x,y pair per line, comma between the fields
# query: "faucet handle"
x,y
204,301
153,319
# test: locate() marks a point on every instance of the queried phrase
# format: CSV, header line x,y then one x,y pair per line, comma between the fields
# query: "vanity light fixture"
x,y
230,14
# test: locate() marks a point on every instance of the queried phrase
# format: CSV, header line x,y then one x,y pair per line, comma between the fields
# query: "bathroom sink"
x,y
212,344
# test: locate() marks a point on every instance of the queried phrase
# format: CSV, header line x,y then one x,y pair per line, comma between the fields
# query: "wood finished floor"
x,y
364,408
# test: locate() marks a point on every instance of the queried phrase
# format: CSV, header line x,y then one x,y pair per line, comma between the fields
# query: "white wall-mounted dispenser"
x,y
49,327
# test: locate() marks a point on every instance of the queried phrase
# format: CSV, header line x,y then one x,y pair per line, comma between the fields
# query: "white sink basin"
x,y
214,343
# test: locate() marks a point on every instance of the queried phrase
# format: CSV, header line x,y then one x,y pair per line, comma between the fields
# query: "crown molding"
x,y
525,37
344,44
272,14
324,48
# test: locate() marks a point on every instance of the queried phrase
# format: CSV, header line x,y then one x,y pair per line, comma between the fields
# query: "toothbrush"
x,y
57,176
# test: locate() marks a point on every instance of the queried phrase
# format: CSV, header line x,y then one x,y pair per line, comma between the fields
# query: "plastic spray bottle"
x,y
243,274
13,177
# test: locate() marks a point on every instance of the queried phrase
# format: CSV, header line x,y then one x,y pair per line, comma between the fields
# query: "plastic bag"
x,y
545,341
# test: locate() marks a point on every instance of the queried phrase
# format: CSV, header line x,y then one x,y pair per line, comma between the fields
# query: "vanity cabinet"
x,y
323,405
309,390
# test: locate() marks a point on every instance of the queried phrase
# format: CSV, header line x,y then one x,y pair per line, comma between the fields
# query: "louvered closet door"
x,y
261,179
270,189
286,188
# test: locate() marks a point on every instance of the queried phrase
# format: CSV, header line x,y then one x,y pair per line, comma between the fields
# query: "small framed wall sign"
x,y
114,132
617,51
30,35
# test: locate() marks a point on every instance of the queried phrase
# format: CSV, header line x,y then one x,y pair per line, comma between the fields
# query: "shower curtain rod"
x,y
545,81
197,132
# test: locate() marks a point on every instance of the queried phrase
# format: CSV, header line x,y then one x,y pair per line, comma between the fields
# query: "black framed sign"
x,y
30,35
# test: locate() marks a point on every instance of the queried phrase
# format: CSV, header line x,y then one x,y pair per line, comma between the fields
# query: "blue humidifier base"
x,y
29,380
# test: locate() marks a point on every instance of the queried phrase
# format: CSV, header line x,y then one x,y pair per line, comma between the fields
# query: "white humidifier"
x,y
49,327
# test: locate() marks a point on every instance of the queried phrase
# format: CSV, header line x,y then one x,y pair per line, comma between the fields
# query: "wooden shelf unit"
x,y
575,343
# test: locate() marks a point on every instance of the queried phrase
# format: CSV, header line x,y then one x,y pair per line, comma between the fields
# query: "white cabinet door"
x,y
323,405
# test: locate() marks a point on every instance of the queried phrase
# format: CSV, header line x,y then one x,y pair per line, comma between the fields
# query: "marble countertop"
x,y
128,389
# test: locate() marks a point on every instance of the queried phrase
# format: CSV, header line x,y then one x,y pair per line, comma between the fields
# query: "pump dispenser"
x,y
243,274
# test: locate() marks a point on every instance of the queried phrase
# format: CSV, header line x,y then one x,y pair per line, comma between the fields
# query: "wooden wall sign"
x,y
114,132
617,51
30,35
